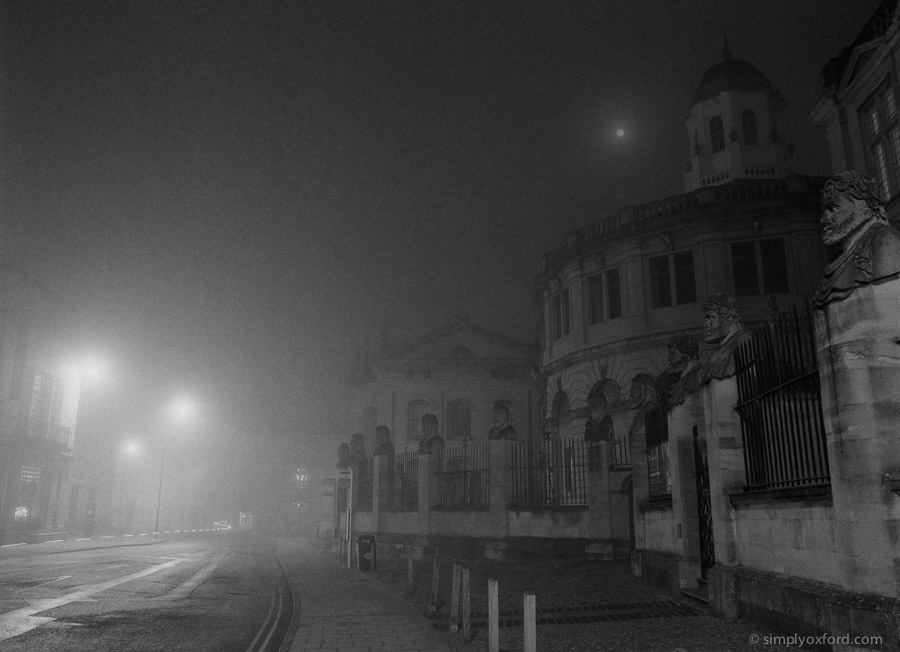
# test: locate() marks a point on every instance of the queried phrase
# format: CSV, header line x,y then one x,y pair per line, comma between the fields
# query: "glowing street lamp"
x,y
181,410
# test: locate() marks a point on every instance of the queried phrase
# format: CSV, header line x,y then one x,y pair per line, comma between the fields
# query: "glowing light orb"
x,y
620,132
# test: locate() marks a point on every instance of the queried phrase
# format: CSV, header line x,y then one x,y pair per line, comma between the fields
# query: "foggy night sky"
x,y
231,191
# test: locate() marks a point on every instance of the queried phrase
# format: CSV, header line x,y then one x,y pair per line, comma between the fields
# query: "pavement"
x,y
343,610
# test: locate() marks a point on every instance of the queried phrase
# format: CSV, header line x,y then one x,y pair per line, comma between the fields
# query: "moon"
x,y
620,132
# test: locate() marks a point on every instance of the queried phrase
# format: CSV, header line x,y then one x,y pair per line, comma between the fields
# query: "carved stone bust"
x,y
681,376
725,328
502,428
599,426
383,443
431,440
643,398
863,248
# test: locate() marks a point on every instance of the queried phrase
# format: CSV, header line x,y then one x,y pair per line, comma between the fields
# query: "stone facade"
x,y
458,373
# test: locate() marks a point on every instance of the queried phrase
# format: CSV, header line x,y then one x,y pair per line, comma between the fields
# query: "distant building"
x,y
459,373
859,105
39,394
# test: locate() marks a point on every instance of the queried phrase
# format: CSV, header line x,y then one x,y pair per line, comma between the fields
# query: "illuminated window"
x,y
672,280
748,128
717,134
606,296
881,135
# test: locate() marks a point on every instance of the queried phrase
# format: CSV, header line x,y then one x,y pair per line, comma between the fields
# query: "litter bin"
x,y
365,552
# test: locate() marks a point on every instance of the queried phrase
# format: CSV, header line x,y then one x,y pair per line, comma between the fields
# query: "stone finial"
x,y
863,248
725,328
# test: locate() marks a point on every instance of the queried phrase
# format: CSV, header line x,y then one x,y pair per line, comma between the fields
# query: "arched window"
x,y
561,405
717,133
459,419
414,411
748,128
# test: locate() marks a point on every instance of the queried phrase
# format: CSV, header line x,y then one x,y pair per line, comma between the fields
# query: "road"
x,y
221,592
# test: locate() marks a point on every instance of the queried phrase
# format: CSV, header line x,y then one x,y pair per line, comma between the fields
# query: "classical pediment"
x,y
458,342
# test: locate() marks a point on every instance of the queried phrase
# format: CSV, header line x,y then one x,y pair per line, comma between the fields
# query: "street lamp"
x,y
181,410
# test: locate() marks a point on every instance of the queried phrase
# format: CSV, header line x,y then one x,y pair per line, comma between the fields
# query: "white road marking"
x,y
12,545
17,622
55,541
108,536
50,580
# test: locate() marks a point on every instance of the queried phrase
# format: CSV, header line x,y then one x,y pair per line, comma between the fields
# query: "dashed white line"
x,y
55,541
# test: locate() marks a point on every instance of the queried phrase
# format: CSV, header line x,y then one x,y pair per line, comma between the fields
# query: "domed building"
x,y
615,292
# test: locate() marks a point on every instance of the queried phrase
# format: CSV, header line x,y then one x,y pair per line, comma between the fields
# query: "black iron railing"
x,y
780,405
464,475
553,475
403,482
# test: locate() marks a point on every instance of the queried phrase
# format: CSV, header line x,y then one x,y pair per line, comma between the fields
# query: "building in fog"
x,y
459,373
39,393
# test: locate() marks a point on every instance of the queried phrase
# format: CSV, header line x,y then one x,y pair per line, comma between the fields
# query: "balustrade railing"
x,y
43,429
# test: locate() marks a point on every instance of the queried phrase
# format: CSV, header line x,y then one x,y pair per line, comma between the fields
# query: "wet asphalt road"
x,y
220,593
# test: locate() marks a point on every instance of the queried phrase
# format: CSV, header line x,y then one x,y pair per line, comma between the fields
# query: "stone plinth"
x,y
858,344
726,463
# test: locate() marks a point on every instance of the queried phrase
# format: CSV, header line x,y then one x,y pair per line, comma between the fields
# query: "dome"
x,y
731,75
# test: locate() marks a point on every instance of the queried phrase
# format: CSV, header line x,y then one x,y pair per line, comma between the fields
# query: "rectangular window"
x,y
774,266
685,286
614,292
561,324
759,267
663,270
743,264
881,134
605,296
660,283
595,287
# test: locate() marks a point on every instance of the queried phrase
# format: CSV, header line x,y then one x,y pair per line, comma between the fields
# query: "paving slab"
x,y
344,610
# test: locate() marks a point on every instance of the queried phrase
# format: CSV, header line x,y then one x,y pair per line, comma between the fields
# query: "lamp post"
x,y
181,410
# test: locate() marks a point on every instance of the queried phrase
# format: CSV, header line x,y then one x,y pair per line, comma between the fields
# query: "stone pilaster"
x,y
500,487
641,493
682,419
726,463
858,344
599,500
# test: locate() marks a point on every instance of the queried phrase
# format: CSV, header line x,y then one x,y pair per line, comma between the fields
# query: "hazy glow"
x,y
131,448
620,132
183,409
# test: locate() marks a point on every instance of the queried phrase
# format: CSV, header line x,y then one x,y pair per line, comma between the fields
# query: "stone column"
x,y
429,464
599,501
641,493
726,474
682,419
858,344
500,486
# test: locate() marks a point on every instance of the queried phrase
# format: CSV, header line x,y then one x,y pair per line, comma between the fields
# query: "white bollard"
x,y
530,621
454,599
493,616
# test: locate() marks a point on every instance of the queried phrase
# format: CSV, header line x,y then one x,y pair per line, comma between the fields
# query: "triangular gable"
x,y
858,60
451,341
